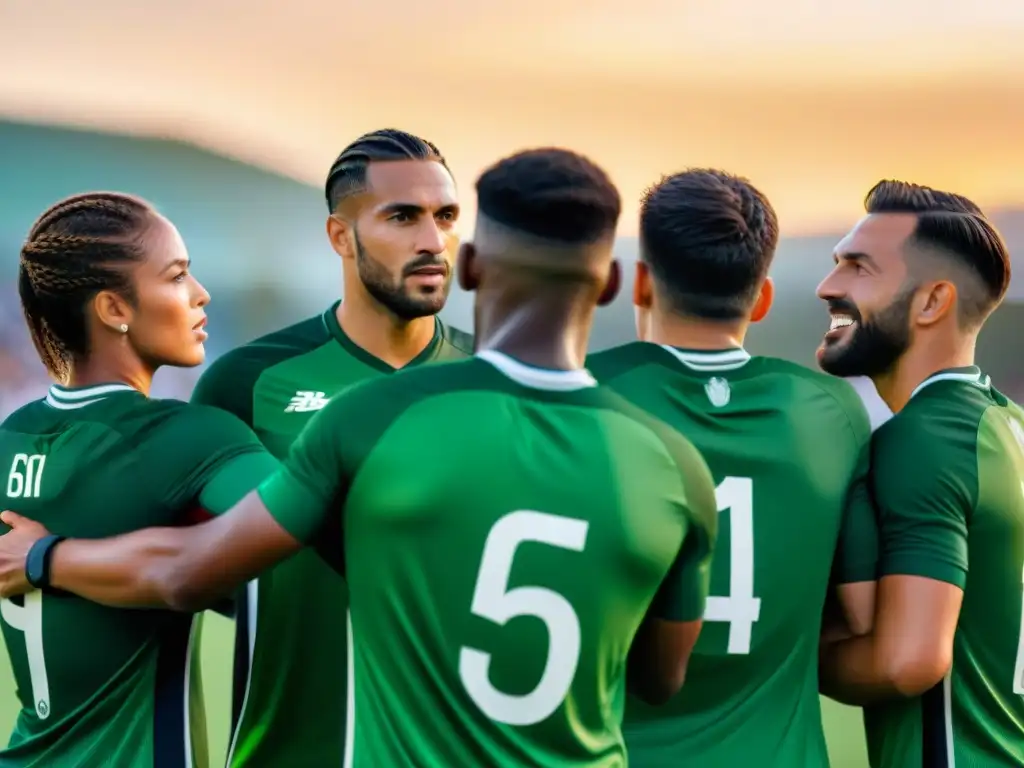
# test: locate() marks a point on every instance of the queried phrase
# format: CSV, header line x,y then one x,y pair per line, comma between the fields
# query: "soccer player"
x,y
787,447
108,298
942,673
392,211
495,594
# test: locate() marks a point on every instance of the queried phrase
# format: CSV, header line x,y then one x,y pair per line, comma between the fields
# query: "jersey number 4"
x,y
28,619
740,609
494,601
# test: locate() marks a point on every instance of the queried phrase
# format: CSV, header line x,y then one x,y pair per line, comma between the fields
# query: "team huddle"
x,y
493,550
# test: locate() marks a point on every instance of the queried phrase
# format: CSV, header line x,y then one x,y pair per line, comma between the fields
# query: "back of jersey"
x,y
495,594
101,686
784,445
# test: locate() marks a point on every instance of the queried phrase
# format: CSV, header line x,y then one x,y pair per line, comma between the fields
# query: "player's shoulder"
x,y
177,429
26,418
838,393
459,340
609,364
228,382
272,348
941,417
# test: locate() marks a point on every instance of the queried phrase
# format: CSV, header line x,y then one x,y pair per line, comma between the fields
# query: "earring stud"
x,y
123,328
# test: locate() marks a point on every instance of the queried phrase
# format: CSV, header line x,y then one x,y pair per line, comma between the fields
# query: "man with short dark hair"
x,y
941,675
788,448
497,597
392,209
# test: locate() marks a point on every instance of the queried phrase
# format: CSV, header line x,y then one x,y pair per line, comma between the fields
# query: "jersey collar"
x,y
330,318
709,360
68,399
968,375
537,378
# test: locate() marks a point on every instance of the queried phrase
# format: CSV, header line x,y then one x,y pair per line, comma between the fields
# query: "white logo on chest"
x,y
306,401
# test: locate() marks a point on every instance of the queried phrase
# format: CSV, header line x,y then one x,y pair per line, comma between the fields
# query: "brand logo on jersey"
x,y
718,391
306,401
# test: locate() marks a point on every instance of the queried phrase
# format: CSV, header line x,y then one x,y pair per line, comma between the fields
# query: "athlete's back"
x,y
494,595
784,445
101,686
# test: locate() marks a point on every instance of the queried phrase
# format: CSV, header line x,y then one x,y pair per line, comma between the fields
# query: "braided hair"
x,y
709,238
347,175
76,249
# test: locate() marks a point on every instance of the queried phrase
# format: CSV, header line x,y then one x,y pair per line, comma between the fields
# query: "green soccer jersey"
x,y
788,450
948,479
98,686
494,595
290,641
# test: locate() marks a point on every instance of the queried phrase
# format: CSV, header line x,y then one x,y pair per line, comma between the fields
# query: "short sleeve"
x,y
314,480
924,484
684,590
858,551
197,442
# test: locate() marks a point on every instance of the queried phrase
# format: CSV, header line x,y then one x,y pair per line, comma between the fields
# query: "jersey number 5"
x,y
28,619
741,609
494,601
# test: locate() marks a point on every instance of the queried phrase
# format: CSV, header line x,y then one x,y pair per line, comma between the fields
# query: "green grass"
x,y
842,724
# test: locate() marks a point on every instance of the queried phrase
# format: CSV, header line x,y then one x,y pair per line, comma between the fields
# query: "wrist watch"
x,y
37,562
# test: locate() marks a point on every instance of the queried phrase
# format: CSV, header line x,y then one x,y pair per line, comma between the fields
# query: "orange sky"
x,y
813,103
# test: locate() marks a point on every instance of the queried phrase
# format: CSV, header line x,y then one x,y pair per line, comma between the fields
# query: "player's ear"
x,y
339,232
467,268
112,310
935,302
611,284
643,292
763,304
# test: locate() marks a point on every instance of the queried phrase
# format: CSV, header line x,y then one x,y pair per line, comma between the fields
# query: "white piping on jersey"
x,y
70,399
947,712
350,694
726,360
252,595
977,379
537,378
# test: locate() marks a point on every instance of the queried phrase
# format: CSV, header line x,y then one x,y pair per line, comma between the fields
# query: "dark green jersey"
x,y
290,673
948,479
788,448
98,686
495,594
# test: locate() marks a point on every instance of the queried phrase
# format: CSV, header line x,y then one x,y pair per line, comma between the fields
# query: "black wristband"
x,y
37,562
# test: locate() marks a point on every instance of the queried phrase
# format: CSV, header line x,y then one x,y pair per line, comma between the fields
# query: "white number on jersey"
x,y
741,609
25,476
492,600
28,619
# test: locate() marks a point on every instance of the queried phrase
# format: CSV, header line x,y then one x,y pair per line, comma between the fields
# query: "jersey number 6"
x,y
28,619
494,601
740,609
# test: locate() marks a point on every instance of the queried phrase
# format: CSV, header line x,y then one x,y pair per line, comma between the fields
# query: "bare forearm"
x,y
850,673
143,569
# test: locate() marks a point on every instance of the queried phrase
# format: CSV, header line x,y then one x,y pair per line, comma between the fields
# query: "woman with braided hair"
x,y
108,298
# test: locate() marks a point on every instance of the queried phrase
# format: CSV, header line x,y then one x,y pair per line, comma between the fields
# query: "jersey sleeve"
x,y
229,382
924,483
199,442
683,592
857,552
234,479
313,481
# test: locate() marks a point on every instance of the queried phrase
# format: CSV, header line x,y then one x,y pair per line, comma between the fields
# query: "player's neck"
x,y
541,331
385,336
923,360
693,333
101,368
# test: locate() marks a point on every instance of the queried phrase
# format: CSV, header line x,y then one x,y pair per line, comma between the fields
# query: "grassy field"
x,y
846,742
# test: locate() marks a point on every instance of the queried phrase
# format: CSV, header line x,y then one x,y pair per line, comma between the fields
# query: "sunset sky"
x,y
813,101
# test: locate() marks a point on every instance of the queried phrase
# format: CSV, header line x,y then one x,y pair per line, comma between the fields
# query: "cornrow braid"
x,y
77,248
347,175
